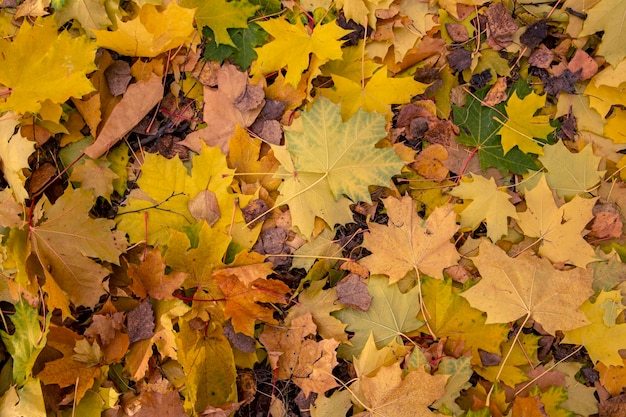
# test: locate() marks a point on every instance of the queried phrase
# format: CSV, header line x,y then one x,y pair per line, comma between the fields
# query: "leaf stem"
x,y
506,358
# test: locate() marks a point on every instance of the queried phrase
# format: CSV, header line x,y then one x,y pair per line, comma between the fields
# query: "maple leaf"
x,y
392,314
66,241
489,203
242,299
601,339
209,366
332,159
66,371
320,303
522,126
292,45
363,11
244,155
388,394
458,371
512,288
452,317
220,15
151,32
245,40
91,14
520,349
376,96
23,401
26,342
478,128
14,152
65,59
199,260
166,190
570,173
559,229
409,243
297,357
149,277
607,16
96,177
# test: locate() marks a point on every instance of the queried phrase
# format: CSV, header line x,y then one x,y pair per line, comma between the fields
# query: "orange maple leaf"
x,y
242,298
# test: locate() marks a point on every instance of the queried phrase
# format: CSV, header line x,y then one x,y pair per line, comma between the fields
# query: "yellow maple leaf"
x,y
363,11
408,243
209,366
488,203
292,45
378,94
602,341
37,50
512,288
607,16
151,33
14,152
522,126
388,394
559,229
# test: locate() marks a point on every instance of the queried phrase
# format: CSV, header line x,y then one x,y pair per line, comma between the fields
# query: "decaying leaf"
x,y
296,356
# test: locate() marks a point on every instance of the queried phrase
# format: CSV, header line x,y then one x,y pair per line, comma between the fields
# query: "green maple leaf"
x,y
245,40
522,126
220,15
488,203
26,342
570,173
608,16
65,60
391,315
479,129
330,159
66,241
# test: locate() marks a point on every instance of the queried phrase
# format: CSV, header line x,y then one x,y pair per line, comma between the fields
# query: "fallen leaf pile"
x,y
378,208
